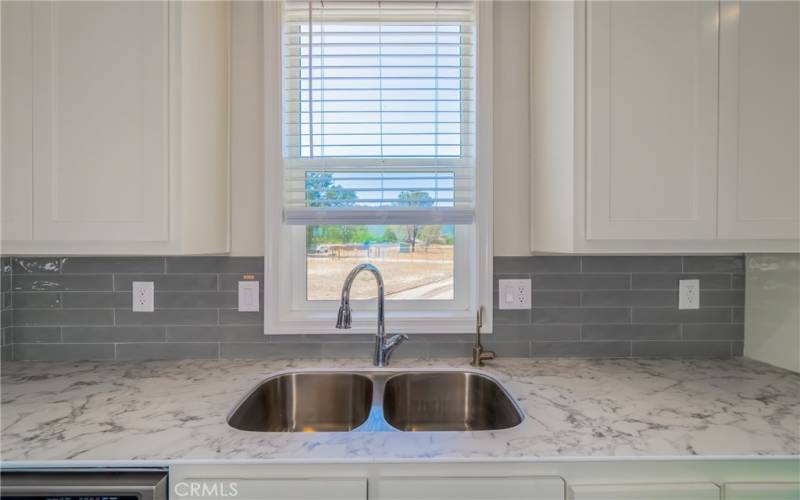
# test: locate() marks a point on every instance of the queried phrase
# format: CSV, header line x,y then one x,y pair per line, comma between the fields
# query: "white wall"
x,y
511,130
247,128
772,309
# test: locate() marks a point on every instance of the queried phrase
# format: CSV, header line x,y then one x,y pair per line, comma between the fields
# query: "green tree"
x,y
414,199
431,235
322,191
389,236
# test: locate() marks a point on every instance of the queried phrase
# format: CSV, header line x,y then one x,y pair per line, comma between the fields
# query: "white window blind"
x,y
378,112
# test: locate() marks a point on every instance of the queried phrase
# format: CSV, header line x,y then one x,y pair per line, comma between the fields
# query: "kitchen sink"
x,y
448,401
305,402
379,400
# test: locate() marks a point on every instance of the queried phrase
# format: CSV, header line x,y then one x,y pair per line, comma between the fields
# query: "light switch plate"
x,y
248,296
143,296
689,294
514,294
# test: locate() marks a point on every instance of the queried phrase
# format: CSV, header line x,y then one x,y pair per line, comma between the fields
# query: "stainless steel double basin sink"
x,y
370,401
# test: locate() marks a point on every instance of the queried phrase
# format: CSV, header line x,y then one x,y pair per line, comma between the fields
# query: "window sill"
x,y
429,322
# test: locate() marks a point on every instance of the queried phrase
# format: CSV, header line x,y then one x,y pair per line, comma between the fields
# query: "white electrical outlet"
x,y
514,294
248,296
689,294
143,296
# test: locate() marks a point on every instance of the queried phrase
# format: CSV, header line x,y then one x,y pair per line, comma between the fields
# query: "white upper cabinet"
x,y
100,108
661,126
652,120
16,146
759,167
115,127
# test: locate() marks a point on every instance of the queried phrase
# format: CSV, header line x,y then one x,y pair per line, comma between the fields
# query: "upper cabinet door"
x,y
17,138
759,168
652,88
100,121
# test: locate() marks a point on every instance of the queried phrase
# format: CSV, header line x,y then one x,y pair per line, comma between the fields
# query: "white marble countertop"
x,y
165,411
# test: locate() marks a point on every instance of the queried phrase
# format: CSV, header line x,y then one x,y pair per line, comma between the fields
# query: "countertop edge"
x,y
41,464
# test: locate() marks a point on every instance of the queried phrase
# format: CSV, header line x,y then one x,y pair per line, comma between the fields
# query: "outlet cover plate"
x,y
514,294
248,296
143,296
689,294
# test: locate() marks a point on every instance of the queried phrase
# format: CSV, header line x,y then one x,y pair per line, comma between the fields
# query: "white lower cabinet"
x,y
762,491
284,489
660,491
471,488
746,479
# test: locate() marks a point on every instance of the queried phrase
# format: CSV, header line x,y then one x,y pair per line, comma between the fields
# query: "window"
x,y
379,161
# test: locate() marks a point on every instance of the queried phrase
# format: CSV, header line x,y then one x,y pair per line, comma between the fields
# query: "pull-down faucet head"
x,y
344,319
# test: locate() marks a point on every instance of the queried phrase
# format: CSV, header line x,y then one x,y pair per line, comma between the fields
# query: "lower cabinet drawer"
x,y
471,488
762,491
271,489
651,491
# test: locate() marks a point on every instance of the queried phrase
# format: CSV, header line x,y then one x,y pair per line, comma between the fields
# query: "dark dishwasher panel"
x,y
88,484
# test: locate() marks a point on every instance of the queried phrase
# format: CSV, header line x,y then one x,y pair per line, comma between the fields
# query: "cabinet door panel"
x,y
100,127
759,173
665,491
471,488
293,489
17,167
652,120
762,491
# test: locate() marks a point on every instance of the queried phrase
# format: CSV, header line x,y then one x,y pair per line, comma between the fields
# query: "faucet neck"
x,y
383,346
348,284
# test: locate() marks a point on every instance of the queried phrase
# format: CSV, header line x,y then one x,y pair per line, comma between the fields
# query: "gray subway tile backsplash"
x,y
733,331
641,298
714,264
632,264
35,334
221,333
60,317
670,315
669,281
631,332
168,317
101,334
63,352
62,282
558,315
168,282
581,281
69,308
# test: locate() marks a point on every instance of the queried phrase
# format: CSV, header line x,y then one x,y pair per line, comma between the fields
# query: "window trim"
x,y
280,316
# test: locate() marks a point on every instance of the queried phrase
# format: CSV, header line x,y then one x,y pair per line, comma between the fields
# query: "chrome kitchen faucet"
x,y
383,346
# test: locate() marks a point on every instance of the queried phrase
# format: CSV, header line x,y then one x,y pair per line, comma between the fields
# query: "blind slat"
x,y
378,111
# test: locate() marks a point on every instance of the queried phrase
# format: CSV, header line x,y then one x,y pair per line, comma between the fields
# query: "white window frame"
x,y
285,309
